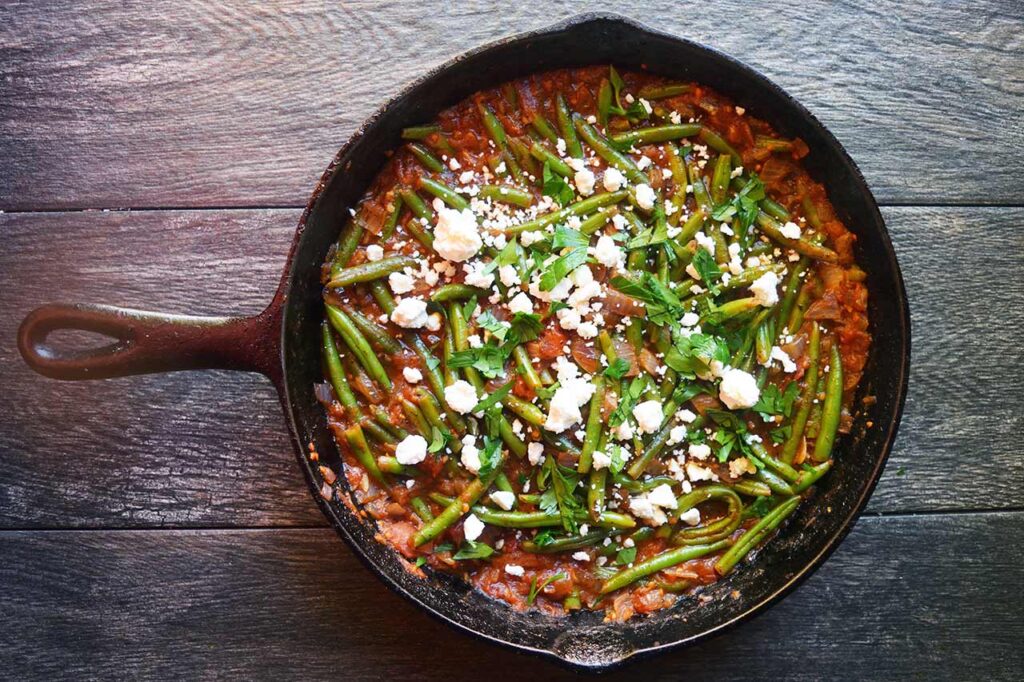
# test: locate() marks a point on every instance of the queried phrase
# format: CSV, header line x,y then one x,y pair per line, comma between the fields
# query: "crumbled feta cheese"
x,y
472,527
790,230
508,275
410,313
565,404
466,177
412,375
705,242
739,389
601,460
587,330
461,396
788,366
648,416
691,517
535,453
645,197
736,172
470,454
642,508
699,450
504,499
412,450
740,111
695,473
676,435
434,322
675,118
581,556
401,283
623,431
456,237
613,179
374,252
476,277
644,163
662,496
689,319
584,180
521,303
692,271
608,253
765,289
514,569
686,416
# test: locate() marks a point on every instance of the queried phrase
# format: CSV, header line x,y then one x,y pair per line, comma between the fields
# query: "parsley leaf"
x,y
652,235
543,538
524,327
618,462
617,369
469,308
663,306
626,555
536,589
420,560
473,550
489,360
556,187
489,322
617,85
563,483
692,355
627,400
568,237
438,439
705,265
493,398
561,267
490,456
759,507
773,401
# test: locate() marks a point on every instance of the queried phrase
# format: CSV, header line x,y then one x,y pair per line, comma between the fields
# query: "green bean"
x,y
456,292
716,530
604,148
804,247
526,162
596,490
526,368
443,192
593,428
716,142
800,305
377,432
641,486
360,380
536,519
415,202
654,135
526,411
577,209
542,126
806,399
377,334
777,484
773,144
720,178
506,194
572,601
653,449
790,291
457,321
654,92
347,244
566,544
423,155
778,466
339,381
811,212
595,222
390,465
731,309
493,126
810,476
388,228
384,420
359,346
415,416
415,229
544,155
457,507
371,270
419,132
422,509
700,192
765,339
565,126
775,209
755,535
747,486
832,407
660,562
429,408
604,102
361,451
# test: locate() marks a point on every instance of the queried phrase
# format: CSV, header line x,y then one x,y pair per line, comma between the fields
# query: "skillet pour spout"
x,y
283,343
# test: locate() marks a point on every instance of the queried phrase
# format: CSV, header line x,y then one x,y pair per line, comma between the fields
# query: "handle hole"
x,y
75,343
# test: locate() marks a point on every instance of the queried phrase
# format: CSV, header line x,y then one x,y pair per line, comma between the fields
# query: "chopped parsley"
x,y
556,187
473,550
618,368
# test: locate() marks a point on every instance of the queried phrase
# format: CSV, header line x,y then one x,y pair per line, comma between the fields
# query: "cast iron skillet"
x,y
283,342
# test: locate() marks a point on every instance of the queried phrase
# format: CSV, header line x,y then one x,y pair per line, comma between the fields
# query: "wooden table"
x,y
156,155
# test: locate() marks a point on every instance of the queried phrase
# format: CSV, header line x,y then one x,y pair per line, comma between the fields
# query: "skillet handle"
x,y
147,342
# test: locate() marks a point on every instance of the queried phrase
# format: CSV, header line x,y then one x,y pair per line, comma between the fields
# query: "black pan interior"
x,y
811,534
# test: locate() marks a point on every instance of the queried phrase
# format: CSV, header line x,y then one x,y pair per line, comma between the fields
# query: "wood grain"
x,y
296,605
226,103
211,449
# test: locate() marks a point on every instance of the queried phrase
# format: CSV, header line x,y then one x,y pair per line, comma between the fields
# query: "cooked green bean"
x,y
542,126
718,143
357,444
457,507
371,270
755,535
506,194
565,126
654,135
715,530
654,92
419,132
832,407
456,292
493,126
604,148
566,544
359,346
546,156
579,208
415,202
443,192
593,429
337,375
803,407
660,562
347,244
423,155
804,247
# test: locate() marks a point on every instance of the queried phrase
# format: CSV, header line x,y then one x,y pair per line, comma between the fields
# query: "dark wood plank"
x,y
220,104
211,450
923,597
